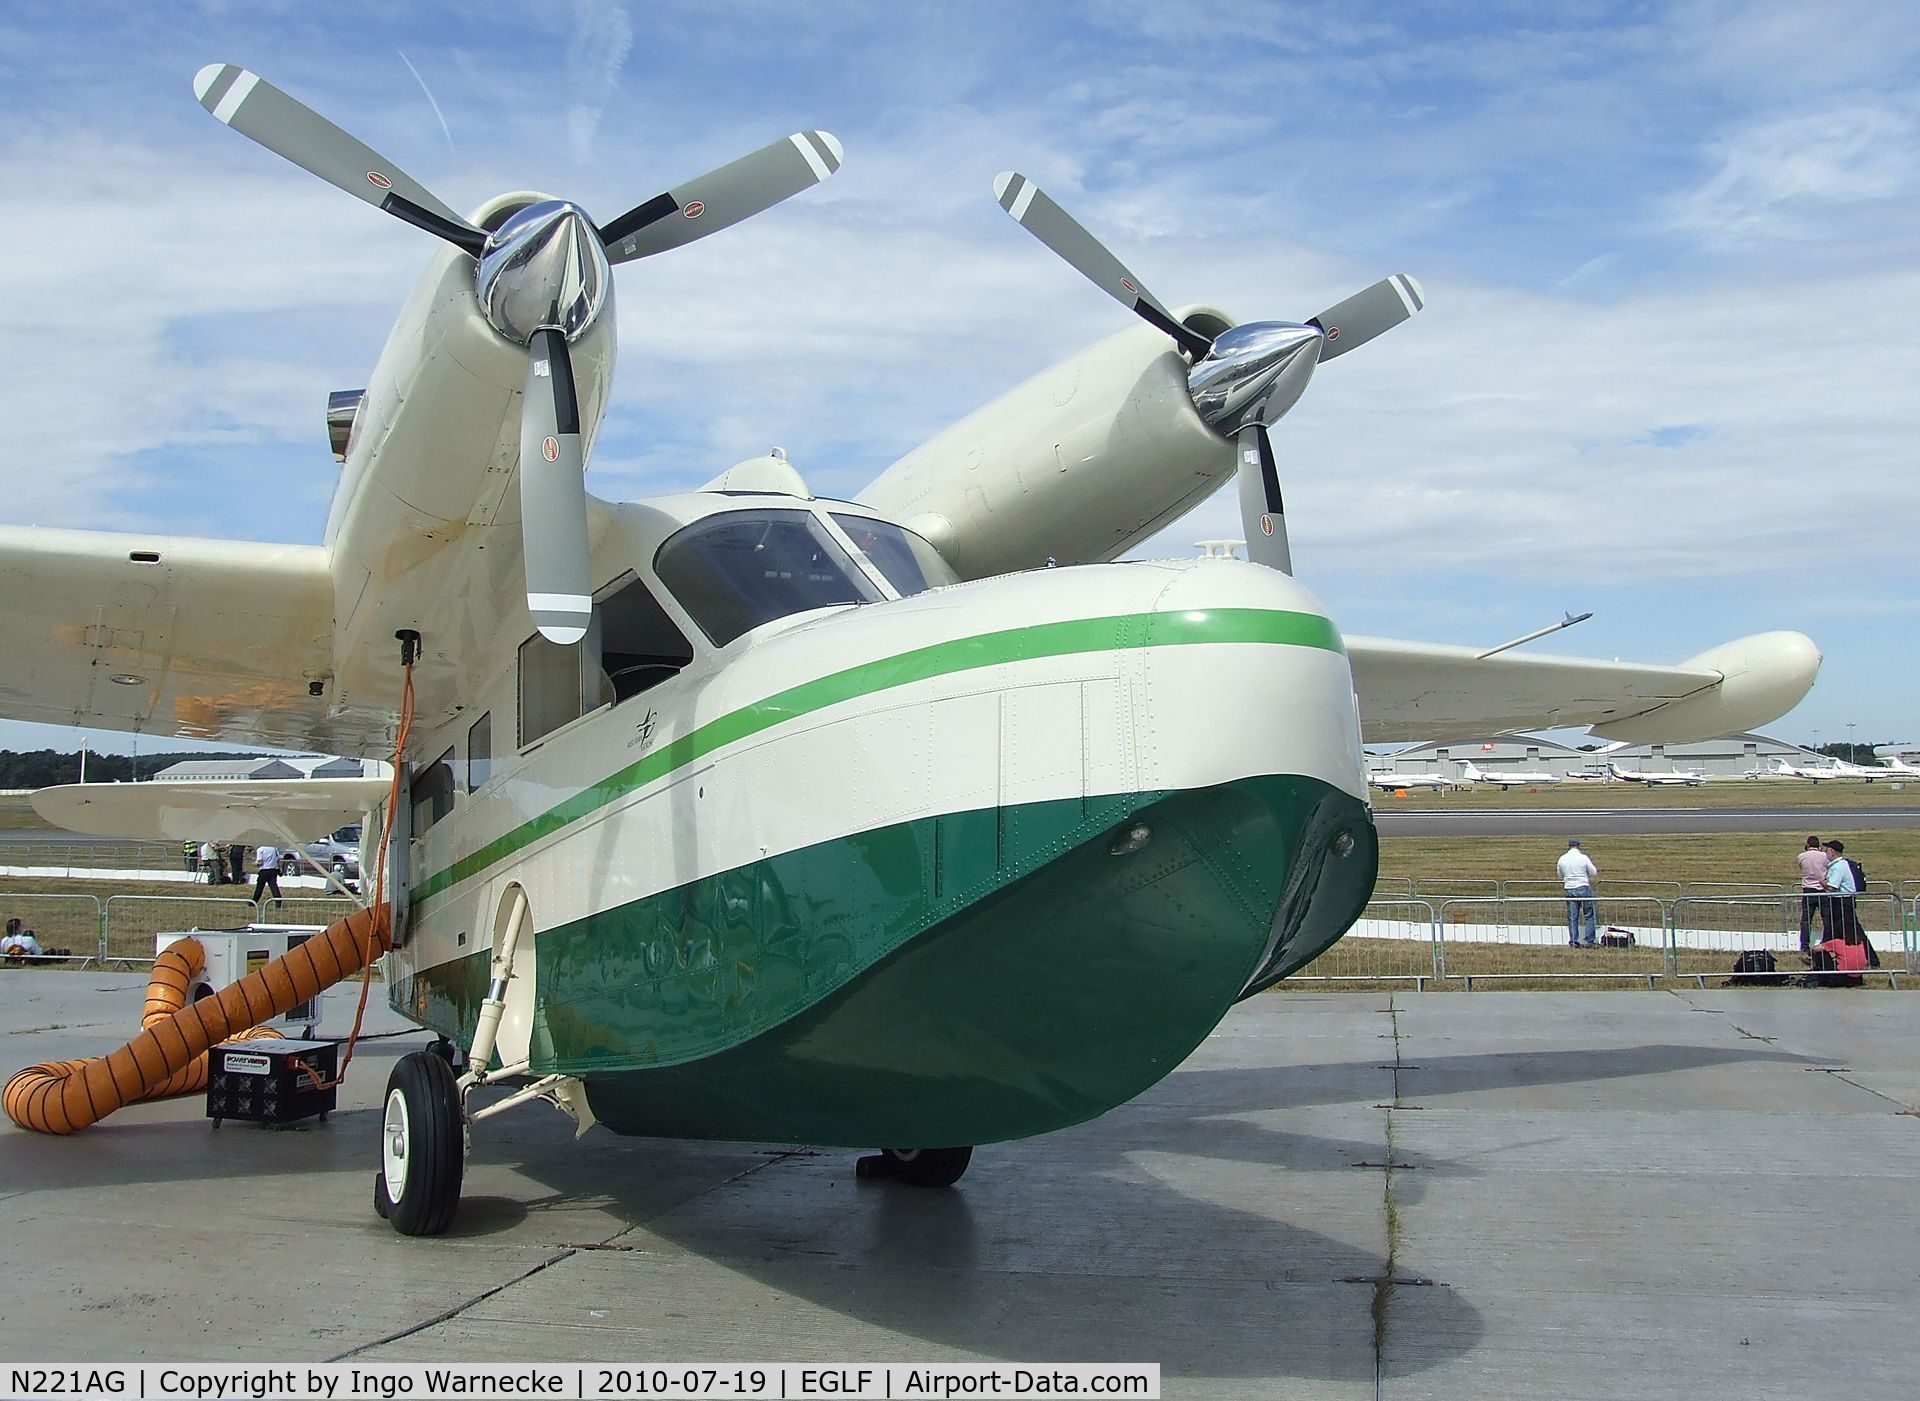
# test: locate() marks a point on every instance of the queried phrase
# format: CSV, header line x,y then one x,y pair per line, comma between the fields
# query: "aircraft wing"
x,y
255,811
1426,691
211,639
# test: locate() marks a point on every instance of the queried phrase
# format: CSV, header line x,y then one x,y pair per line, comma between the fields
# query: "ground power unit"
x,y
271,1082
234,953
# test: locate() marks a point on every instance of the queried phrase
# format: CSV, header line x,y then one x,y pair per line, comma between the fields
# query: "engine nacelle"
x,y
1762,678
1075,466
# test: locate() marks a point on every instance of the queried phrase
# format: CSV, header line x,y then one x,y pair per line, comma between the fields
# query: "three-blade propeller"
x,y
1243,379
541,279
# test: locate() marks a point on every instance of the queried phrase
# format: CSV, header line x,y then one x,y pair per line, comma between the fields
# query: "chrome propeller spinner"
x,y
543,269
1242,380
541,278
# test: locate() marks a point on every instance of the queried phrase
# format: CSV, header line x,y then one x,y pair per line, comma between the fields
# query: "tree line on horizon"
x,y
45,768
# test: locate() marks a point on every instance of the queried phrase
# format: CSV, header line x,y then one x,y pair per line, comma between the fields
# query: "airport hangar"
x,y
1732,757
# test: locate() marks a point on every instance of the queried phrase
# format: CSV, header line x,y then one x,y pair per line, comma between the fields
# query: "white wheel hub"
x,y
395,1142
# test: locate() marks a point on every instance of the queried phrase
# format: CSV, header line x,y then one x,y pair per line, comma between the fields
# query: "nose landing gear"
x,y
422,1147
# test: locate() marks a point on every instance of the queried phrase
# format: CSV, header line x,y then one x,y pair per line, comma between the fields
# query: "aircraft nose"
x,y
1267,686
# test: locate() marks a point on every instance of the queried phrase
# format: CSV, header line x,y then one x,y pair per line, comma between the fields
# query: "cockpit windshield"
x,y
910,563
734,572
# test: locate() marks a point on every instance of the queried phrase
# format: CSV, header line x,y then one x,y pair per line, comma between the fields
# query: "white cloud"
x,y
602,36
1800,177
188,301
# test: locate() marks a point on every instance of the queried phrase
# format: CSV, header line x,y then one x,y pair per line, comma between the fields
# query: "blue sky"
x,y
1667,371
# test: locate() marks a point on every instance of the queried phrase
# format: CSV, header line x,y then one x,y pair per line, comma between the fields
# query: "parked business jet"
x,y
1470,773
1657,778
1390,782
1836,769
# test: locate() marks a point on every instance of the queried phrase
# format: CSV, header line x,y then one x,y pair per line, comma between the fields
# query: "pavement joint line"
x,y
564,1252
1842,1073
1383,1287
446,1315
772,1157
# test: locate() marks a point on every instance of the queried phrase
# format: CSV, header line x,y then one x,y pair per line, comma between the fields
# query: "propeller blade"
x,y
553,494
1263,515
1035,211
711,202
1366,314
257,109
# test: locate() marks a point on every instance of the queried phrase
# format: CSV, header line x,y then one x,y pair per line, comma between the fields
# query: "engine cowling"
x,y
1075,466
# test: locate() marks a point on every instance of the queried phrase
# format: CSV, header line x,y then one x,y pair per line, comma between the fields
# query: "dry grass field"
x,y
1741,857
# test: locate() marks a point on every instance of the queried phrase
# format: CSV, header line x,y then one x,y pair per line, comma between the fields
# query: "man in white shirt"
x,y
1576,874
268,858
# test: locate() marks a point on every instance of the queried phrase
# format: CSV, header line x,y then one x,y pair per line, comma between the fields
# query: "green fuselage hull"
x,y
956,980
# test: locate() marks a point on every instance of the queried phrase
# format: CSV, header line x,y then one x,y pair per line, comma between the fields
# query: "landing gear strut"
x,y
918,1167
424,1135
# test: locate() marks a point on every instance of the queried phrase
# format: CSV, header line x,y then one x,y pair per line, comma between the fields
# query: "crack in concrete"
x,y
454,1312
562,1253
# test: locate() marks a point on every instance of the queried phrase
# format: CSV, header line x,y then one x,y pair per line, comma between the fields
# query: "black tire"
x,y
428,1155
929,1167
380,1193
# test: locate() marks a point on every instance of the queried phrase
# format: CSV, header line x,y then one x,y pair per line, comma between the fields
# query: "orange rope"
x,y
379,881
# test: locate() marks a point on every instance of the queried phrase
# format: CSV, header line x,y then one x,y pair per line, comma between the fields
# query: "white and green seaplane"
x,y
912,822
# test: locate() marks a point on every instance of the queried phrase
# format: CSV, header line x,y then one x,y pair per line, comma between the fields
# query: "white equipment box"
x,y
232,954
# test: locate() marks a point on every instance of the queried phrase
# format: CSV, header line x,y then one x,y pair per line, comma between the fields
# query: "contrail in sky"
x,y
430,102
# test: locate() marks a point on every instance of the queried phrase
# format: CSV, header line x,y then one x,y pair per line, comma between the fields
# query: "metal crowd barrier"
x,y
1505,938
130,921
60,922
1706,933
1397,940
77,857
1456,887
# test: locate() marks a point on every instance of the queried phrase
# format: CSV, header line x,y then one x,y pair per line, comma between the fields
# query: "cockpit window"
x,y
910,564
736,571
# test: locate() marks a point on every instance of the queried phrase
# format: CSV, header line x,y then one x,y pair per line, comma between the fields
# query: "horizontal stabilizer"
x,y
255,811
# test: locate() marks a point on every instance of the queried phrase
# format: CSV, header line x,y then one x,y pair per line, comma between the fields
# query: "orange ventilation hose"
x,y
63,1097
169,991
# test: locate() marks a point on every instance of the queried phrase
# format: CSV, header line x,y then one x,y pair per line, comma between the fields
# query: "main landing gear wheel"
x,y
422,1147
918,1167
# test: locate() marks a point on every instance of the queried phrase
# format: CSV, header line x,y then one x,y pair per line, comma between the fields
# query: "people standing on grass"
x,y
1813,893
1841,890
268,858
1577,873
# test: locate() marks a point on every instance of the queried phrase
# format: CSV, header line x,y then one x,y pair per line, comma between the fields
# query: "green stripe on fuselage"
x,y
1218,625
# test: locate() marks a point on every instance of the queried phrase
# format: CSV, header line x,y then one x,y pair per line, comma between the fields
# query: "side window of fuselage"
x,y
432,792
549,687
631,646
636,643
479,751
